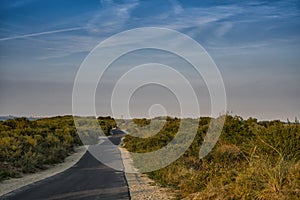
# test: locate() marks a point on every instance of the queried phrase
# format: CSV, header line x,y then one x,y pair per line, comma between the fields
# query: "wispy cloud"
x,y
41,33
53,48
239,47
111,18
176,6
226,27
181,18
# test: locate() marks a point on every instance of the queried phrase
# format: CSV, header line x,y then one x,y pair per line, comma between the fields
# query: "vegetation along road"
x,y
87,179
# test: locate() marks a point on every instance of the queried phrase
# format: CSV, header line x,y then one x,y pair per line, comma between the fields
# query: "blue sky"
x,y
255,44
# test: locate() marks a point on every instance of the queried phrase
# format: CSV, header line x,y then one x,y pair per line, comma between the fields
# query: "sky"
x,y
255,44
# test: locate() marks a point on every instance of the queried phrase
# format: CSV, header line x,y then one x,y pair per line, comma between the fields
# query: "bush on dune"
x,y
251,160
27,146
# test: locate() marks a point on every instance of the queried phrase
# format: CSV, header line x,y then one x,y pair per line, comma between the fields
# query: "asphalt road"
x,y
87,179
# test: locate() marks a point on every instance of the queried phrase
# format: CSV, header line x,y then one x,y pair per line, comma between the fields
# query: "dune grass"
x,y
251,160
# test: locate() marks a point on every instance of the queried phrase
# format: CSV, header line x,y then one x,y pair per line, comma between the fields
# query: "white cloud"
x,y
176,6
223,29
111,18
41,33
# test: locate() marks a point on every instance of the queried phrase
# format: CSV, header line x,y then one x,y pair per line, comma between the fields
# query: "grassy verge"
x,y
28,146
251,160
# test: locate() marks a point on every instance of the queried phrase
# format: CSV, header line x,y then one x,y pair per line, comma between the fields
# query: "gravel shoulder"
x,y
16,183
140,186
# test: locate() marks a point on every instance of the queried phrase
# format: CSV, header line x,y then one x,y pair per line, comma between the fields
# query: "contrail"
x,y
41,33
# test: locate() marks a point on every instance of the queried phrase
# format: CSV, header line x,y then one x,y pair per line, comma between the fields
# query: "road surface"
x,y
88,179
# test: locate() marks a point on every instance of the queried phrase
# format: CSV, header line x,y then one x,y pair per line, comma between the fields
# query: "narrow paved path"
x,y
87,179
